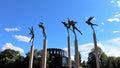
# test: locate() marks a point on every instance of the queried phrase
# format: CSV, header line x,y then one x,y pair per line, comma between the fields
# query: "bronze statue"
x,y
41,25
73,23
91,24
31,33
67,26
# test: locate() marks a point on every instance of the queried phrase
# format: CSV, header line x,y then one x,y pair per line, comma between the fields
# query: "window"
x,y
63,60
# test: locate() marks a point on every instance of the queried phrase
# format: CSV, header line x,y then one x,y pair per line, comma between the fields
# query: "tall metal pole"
x,y
76,54
31,57
44,56
96,50
69,53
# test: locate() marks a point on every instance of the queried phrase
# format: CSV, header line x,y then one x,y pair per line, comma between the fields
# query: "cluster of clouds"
x,y
115,18
18,37
85,49
22,38
110,47
12,47
116,3
12,29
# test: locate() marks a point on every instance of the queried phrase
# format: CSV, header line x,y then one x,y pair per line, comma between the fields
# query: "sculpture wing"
x,y
90,18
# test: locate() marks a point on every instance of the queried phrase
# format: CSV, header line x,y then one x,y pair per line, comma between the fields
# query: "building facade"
x,y
57,58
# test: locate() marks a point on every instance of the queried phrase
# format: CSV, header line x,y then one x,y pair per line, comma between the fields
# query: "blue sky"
x,y
16,16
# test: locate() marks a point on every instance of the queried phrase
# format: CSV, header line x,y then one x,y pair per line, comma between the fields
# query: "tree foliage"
x,y
104,60
13,59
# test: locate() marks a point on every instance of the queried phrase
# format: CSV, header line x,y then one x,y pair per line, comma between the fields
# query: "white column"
x,y
69,53
76,54
31,57
96,51
44,56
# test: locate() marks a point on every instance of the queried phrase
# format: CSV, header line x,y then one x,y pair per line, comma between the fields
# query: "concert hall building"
x,y
57,58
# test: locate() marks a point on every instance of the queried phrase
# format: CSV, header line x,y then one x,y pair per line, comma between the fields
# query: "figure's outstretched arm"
x,y
95,24
78,30
65,24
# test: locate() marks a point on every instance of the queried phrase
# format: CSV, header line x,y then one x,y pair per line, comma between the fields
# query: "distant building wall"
x,y
57,58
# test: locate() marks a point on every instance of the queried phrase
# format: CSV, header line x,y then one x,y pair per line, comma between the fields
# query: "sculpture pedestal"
x,y
76,54
69,53
96,51
31,57
44,54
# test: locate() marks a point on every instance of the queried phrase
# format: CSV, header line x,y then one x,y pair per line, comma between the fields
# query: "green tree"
x,y
118,62
111,62
36,58
103,60
91,57
91,60
8,57
80,59
84,64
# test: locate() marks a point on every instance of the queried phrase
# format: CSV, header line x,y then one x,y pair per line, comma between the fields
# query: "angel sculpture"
x,y
31,33
90,23
41,25
72,23
66,25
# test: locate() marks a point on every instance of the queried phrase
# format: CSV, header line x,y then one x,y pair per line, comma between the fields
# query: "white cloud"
x,y
115,31
103,23
101,30
112,1
115,41
22,38
85,49
10,46
66,49
12,29
116,3
117,15
112,51
110,47
115,18
72,57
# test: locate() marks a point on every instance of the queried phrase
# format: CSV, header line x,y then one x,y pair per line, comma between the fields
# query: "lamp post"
x,y
32,47
44,54
95,41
